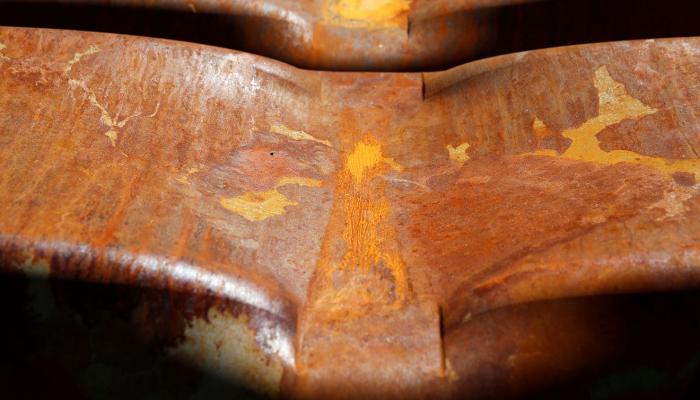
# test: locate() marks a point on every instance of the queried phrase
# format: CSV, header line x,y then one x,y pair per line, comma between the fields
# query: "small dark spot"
x,y
272,153
684,178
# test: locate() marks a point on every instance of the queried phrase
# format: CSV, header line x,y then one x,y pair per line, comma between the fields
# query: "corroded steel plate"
x,y
363,234
364,35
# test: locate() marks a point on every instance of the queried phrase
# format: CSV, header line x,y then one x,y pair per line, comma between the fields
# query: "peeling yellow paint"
x,y
257,206
614,106
363,222
224,345
92,49
371,13
115,123
459,153
297,135
365,157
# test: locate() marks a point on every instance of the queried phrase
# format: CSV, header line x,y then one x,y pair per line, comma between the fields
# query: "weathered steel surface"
x,y
364,234
344,34
387,35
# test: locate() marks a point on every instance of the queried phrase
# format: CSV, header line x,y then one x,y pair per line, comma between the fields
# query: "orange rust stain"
x,y
370,270
614,106
367,13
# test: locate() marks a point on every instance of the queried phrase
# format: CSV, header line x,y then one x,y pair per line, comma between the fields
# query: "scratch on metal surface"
x,y
92,49
112,122
297,135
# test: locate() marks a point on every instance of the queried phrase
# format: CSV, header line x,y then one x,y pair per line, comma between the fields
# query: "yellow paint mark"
x,y
224,345
367,157
114,123
92,49
371,13
257,206
373,269
297,135
459,153
614,106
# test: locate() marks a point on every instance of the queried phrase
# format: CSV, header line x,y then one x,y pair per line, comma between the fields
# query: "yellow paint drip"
x,y
377,13
614,106
459,153
297,135
258,206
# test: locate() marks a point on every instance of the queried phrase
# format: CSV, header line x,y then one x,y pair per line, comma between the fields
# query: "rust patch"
x,y
226,345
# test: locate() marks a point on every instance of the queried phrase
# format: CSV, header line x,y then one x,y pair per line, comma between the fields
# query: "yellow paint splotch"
x,y
370,263
367,159
459,153
614,106
297,135
258,206
369,13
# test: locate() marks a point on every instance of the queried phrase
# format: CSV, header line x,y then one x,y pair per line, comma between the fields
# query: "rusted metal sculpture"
x,y
343,235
